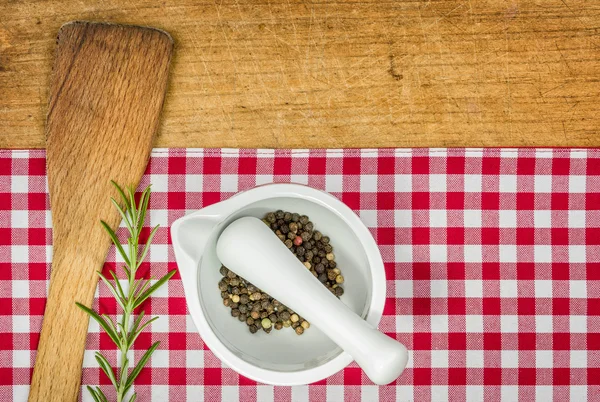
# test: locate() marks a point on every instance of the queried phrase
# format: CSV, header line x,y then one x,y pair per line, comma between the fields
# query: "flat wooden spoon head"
x,y
106,93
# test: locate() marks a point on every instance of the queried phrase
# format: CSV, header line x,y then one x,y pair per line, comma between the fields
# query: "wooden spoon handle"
x,y
106,93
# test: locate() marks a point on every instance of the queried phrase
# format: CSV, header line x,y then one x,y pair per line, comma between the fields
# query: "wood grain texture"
x,y
287,73
107,89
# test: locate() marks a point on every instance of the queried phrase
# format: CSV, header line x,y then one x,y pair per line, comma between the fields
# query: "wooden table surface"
x,y
284,73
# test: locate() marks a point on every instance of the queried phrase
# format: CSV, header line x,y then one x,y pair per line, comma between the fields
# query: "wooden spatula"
x,y
106,93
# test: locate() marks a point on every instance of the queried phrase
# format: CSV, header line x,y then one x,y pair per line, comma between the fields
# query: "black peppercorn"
x,y
223,271
339,291
320,268
285,229
309,226
279,214
304,219
235,312
322,278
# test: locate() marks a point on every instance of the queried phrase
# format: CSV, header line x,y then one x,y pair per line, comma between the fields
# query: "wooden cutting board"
x,y
106,94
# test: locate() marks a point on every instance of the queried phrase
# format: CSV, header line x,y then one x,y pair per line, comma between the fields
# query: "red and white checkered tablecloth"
x,y
492,259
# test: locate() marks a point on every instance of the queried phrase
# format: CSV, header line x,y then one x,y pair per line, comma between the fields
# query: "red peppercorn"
x,y
298,241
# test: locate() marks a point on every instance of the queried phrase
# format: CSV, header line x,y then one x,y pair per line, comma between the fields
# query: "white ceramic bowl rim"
x,y
219,212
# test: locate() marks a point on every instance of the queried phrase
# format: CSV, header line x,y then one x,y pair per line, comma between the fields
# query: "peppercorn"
x,y
320,268
279,214
243,308
253,329
291,235
268,330
308,246
266,323
273,317
336,270
255,315
264,314
234,305
293,227
274,226
339,279
325,240
270,308
295,217
278,326
322,278
234,282
227,302
339,291
317,235
300,251
276,303
309,226
328,248
285,229
242,317
223,286
244,299
307,264
235,297
250,321
305,236
316,259
271,217
235,312
332,264
295,325
331,275
287,216
298,241
223,270
287,323
304,219
294,317
285,315
305,324
235,290
224,295
255,296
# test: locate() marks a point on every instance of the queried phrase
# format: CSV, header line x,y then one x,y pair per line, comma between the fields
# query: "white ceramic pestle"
x,y
250,249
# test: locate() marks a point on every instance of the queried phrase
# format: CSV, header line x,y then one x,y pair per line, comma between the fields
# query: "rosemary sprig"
x,y
125,332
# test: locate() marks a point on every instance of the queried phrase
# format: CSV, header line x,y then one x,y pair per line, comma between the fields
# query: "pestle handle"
x,y
250,249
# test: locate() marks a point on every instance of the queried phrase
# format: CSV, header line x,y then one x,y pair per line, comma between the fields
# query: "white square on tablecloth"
x,y
542,219
543,393
473,253
333,183
438,218
19,254
543,324
542,183
403,252
335,392
472,218
264,179
160,358
20,289
509,358
437,183
576,219
577,184
369,217
19,219
21,359
509,393
439,324
264,393
474,323
578,392
162,324
543,288
508,183
368,393
438,288
194,183
438,253
403,218
300,393
160,183
402,183
509,323
19,184
439,392
578,324
439,358
230,393
299,179
404,288
508,288
577,253
542,253
89,358
159,217
507,218
544,359
194,393
229,183
194,358
20,324
473,183
20,392
159,253
578,358
474,358
404,323
473,288
368,183
159,393
474,393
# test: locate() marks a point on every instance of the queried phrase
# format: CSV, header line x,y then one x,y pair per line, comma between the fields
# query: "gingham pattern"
x,y
492,261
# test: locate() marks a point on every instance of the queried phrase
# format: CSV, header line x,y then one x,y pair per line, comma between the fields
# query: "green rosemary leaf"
x,y
134,373
147,245
92,391
115,241
134,335
112,289
152,288
101,321
118,283
122,213
133,398
105,366
122,194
